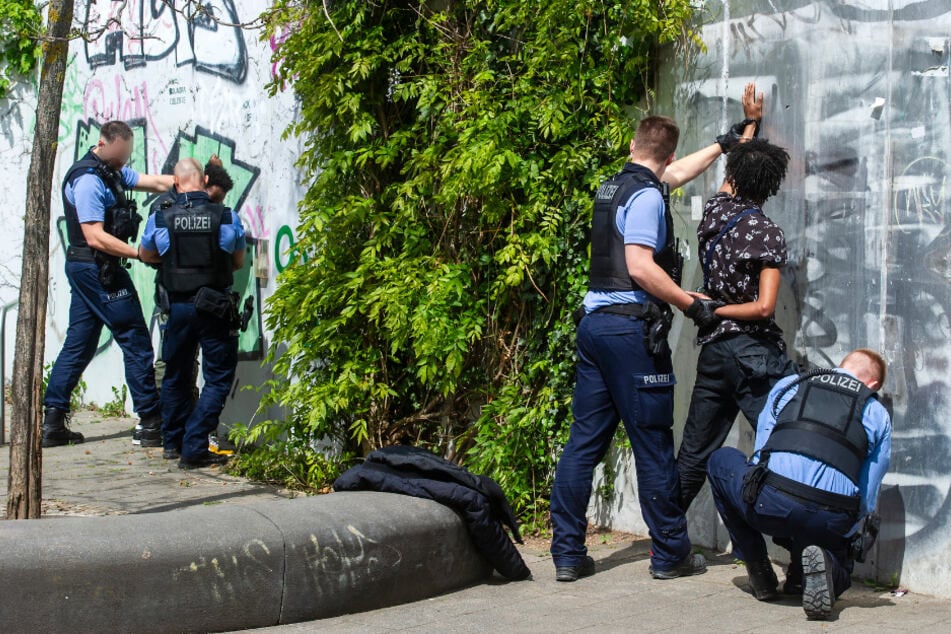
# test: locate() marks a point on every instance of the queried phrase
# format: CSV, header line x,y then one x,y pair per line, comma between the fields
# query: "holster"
x,y
863,540
108,270
162,301
216,303
658,327
753,482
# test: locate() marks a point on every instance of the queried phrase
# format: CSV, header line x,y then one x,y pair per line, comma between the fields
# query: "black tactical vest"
x,y
824,421
194,258
608,270
91,164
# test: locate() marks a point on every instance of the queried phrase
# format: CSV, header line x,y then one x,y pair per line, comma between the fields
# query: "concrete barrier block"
x,y
349,552
198,569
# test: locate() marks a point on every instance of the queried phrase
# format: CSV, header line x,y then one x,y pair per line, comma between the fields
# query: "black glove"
x,y
729,139
701,313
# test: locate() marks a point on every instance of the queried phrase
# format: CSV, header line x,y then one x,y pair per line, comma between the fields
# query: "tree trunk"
x,y
24,493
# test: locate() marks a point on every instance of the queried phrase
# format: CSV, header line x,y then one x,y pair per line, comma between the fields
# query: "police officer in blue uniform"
x,y
823,445
624,369
100,220
217,184
198,244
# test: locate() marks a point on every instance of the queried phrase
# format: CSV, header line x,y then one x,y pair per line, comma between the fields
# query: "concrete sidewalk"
x,y
107,475
621,597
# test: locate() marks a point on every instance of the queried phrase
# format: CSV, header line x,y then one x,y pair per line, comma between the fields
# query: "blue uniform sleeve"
x,y
231,237
130,177
89,198
148,235
878,424
643,219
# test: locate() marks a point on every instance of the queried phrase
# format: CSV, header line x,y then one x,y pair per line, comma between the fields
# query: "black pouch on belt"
x,y
753,482
215,303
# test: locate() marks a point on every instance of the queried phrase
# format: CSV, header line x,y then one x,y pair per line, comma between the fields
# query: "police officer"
x,y
621,374
218,184
823,444
198,245
100,220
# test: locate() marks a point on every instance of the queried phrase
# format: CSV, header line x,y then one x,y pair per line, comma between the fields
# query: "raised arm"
x,y
684,170
157,183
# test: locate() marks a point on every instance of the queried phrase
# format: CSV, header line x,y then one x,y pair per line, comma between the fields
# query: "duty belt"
x,y
805,493
80,254
641,311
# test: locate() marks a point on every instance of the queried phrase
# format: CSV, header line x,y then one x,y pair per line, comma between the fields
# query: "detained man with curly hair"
x,y
741,252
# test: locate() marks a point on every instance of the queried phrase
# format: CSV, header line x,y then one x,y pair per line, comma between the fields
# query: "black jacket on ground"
x,y
478,499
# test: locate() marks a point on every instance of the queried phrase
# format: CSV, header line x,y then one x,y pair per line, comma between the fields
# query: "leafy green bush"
x,y
452,150
20,28
289,463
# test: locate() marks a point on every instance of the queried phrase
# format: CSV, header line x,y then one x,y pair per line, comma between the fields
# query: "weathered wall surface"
x,y
187,90
858,92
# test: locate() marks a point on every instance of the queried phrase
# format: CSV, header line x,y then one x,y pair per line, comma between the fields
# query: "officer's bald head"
x,y
189,176
867,365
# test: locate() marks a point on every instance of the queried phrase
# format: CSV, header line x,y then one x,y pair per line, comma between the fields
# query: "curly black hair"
x,y
218,175
756,169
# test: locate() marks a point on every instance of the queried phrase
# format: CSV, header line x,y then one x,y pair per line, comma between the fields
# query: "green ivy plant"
x,y
20,27
452,150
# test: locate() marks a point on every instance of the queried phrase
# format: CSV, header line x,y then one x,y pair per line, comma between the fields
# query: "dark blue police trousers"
x,y
185,422
616,380
791,521
735,373
90,307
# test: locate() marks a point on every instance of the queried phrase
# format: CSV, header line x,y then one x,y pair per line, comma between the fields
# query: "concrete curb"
x,y
231,567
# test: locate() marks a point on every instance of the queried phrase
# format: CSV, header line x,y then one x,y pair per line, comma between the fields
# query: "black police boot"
x,y
793,583
55,430
693,565
209,460
818,593
762,578
573,573
148,432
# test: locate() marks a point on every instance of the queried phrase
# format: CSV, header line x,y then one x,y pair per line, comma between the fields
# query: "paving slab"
x,y
622,597
108,475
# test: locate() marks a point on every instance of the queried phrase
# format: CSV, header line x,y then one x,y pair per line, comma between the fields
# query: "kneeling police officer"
x,y
199,245
823,445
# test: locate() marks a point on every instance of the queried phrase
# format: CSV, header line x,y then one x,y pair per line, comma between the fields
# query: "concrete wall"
x,y
186,91
858,92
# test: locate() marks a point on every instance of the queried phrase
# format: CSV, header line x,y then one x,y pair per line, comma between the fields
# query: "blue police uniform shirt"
x,y
91,197
640,221
817,474
230,236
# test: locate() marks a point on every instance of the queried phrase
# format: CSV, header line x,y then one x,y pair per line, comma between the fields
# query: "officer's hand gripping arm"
x,y
701,312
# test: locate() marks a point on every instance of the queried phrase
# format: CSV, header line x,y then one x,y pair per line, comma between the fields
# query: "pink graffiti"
x,y
254,222
115,102
276,41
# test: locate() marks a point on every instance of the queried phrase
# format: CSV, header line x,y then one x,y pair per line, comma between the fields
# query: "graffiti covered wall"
x,y
858,92
189,88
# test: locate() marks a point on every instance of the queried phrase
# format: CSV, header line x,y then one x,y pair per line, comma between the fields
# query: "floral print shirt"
x,y
753,243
